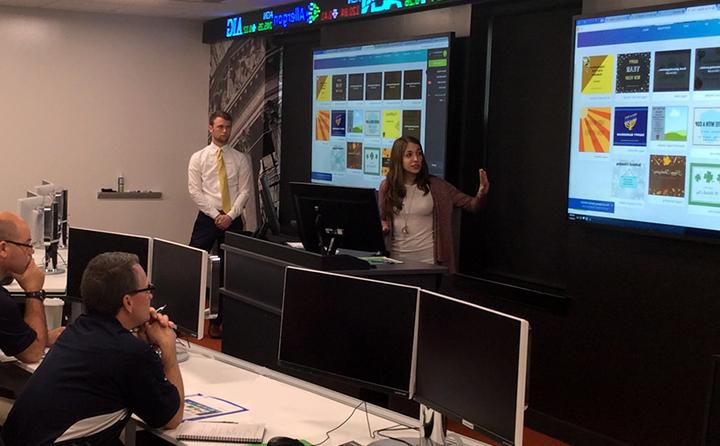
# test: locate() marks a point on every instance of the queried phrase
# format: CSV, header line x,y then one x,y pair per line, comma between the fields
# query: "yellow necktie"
x,y
222,177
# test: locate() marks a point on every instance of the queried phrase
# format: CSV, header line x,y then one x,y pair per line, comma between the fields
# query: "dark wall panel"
x,y
296,113
645,312
523,232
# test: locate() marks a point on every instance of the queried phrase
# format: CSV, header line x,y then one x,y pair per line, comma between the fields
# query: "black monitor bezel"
x,y
197,331
145,262
307,230
522,375
344,379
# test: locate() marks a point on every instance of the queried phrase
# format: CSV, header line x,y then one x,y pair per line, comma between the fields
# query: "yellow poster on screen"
x,y
322,125
322,88
597,74
391,124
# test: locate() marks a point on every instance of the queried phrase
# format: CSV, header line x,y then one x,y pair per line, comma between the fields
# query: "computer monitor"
x,y
85,244
366,95
643,125
61,196
472,365
47,190
350,329
332,217
179,273
31,210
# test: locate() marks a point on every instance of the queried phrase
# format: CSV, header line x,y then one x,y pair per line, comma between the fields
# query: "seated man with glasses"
x,y
105,366
23,336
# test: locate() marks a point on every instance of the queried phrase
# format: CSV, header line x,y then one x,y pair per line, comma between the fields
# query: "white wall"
x,y
85,97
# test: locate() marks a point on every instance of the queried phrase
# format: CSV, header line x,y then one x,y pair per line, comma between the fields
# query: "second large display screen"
x,y
645,142
364,97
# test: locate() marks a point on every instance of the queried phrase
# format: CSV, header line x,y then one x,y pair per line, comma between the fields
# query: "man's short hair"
x,y
220,114
106,279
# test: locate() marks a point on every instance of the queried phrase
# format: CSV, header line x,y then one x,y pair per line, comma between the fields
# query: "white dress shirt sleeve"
x,y
195,186
245,185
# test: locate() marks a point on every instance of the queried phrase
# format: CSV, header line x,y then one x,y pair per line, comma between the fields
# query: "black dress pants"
x,y
204,236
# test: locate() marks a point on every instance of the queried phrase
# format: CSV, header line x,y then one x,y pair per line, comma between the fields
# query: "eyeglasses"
x,y
24,245
149,289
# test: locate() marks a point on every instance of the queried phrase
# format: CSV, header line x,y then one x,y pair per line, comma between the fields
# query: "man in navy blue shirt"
x,y
115,360
23,336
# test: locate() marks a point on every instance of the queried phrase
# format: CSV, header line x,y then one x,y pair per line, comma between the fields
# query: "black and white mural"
x,y
245,81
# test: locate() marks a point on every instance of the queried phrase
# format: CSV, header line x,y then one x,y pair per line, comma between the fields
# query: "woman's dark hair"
x,y
395,190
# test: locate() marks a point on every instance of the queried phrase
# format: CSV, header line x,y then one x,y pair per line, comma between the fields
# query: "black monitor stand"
x,y
432,432
181,353
328,238
51,238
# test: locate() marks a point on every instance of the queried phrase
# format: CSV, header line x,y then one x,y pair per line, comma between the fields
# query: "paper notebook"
x,y
226,431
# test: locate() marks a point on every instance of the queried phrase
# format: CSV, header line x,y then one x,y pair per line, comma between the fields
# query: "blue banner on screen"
x,y
365,97
321,177
645,133
591,205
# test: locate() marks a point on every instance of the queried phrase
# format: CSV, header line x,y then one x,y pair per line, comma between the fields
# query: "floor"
x,y
530,437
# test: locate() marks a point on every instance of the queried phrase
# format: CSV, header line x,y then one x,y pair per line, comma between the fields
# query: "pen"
x,y
158,310
225,422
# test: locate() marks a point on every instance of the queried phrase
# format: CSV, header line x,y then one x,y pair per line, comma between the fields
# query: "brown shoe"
x,y
215,331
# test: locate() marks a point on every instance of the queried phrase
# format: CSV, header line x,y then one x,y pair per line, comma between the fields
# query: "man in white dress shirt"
x,y
220,182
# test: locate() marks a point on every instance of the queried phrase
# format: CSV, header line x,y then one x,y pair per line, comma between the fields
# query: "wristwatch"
x,y
36,294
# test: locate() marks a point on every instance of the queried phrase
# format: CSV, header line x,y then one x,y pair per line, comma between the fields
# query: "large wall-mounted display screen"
x,y
365,97
645,141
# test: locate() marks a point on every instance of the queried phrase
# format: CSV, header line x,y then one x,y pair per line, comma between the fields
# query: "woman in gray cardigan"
x,y
416,208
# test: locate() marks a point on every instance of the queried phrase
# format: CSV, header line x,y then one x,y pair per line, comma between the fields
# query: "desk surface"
x,y
405,268
287,406
283,254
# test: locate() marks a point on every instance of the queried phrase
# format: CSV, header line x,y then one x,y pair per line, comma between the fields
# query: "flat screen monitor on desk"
x,y
332,217
85,244
47,190
351,329
31,210
179,274
472,365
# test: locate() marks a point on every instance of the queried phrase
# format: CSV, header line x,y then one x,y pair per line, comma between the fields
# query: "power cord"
x,y
372,433
62,260
367,418
395,428
327,434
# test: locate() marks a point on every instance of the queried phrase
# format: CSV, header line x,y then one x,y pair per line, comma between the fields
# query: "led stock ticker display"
x,y
304,15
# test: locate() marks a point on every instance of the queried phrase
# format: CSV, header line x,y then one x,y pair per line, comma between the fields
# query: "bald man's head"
x,y
15,253
10,225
